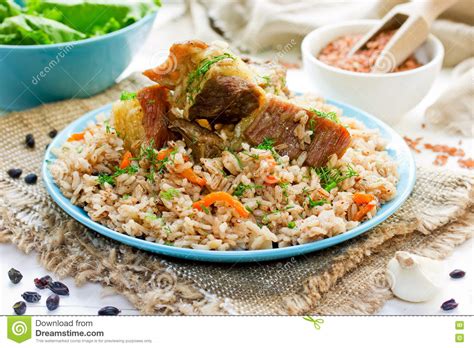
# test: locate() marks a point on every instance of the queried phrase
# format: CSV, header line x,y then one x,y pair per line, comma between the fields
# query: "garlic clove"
x,y
412,277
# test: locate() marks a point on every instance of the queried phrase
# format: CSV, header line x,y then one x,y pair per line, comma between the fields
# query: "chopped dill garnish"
x,y
151,216
169,243
266,79
252,155
106,178
195,77
250,210
291,224
237,158
205,209
126,196
131,169
128,95
284,186
169,194
266,144
330,178
265,218
312,127
332,116
241,188
313,203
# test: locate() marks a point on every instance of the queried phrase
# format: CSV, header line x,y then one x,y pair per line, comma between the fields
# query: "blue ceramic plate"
x,y
396,148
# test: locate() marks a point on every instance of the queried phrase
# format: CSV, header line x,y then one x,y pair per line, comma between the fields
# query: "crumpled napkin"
x,y
454,109
257,25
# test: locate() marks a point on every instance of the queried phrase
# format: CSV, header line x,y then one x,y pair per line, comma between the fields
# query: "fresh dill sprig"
x,y
313,203
169,194
268,144
128,95
106,178
332,116
131,169
195,77
330,178
241,188
237,158
151,216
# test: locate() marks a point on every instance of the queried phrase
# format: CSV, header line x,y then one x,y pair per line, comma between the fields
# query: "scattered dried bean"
x,y
109,310
43,282
52,302
449,305
14,173
457,273
58,288
15,275
31,296
19,307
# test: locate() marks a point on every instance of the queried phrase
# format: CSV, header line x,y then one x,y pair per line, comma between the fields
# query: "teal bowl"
x,y
37,74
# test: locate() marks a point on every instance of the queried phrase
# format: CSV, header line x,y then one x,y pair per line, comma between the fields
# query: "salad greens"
x,y
44,22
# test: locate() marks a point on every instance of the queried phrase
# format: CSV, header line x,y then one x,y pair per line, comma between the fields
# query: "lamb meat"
x,y
277,122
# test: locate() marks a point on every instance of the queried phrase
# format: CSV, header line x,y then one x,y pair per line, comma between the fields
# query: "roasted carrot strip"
x,y
221,196
162,154
363,211
76,137
271,179
193,177
125,160
363,198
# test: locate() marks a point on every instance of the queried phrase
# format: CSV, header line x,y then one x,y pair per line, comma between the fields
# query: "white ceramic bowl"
x,y
387,96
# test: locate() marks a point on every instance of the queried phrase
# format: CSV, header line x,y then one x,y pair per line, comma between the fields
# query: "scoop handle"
x,y
430,10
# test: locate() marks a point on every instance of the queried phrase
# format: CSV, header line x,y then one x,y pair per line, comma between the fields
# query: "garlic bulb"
x,y
412,277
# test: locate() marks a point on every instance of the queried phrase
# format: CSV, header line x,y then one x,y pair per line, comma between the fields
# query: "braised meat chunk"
x,y
226,99
209,82
155,104
279,122
204,143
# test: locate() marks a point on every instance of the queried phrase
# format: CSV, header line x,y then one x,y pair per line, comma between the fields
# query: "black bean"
x,y
30,141
31,296
42,283
31,178
109,310
58,288
15,275
52,133
14,173
449,305
457,273
19,307
52,302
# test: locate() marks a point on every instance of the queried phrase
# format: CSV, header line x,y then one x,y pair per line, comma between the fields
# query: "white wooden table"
x,y
89,298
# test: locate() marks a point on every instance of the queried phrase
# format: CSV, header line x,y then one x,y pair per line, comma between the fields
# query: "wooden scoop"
x,y
412,22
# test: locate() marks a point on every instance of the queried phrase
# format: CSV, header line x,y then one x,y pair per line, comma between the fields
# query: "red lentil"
x,y
335,53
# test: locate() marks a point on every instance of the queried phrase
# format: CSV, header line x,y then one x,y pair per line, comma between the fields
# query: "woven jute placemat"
x,y
345,279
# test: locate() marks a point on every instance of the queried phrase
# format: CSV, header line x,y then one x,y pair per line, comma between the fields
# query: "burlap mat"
x,y
345,279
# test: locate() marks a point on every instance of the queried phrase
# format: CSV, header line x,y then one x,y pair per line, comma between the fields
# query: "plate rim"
x,y
231,256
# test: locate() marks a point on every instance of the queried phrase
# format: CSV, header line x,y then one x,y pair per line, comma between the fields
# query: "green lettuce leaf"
x,y
32,30
93,17
8,8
